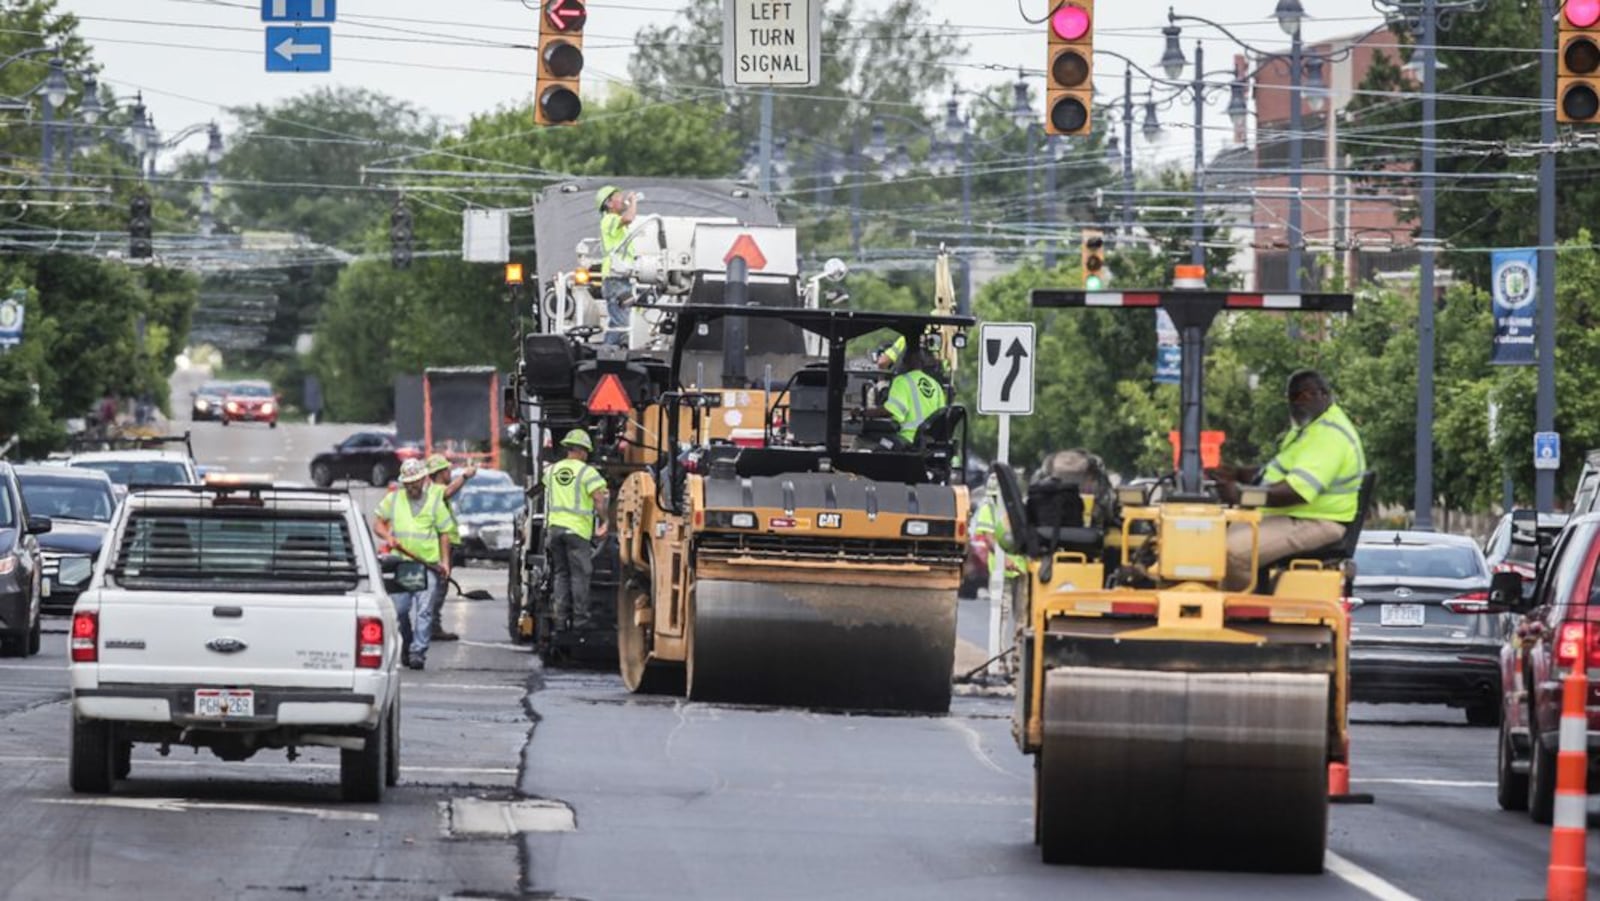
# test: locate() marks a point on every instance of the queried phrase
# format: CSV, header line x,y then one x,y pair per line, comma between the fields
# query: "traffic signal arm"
x,y
1048,298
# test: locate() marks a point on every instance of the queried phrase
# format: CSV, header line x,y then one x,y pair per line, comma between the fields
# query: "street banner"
x,y
1169,353
1515,274
11,312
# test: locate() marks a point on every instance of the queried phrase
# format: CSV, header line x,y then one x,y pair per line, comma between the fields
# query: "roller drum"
x,y
829,646
1192,770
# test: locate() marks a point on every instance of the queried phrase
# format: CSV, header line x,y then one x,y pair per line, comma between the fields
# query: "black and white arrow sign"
x,y
1005,374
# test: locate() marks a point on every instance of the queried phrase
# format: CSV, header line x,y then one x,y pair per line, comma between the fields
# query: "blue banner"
x,y
11,313
1169,356
1515,277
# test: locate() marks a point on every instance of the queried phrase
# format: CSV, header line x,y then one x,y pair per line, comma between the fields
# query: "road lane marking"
x,y
1436,783
184,805
462,686
1366,880
302,765
502,645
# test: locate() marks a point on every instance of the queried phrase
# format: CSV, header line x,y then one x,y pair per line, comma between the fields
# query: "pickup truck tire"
x,y
362,773
122,758
1511,787
391,774
1541,779
35,638
90,766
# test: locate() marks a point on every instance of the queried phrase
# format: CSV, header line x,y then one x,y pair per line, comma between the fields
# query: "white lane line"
x,y
1366,880
975,745
460,686
502,645
184,805
140,762
1436,783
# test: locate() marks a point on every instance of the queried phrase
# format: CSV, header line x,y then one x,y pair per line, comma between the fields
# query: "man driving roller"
x,y
1313,482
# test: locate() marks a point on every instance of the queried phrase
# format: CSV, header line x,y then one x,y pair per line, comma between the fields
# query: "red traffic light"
x,y
570,15
1581,13
1070,22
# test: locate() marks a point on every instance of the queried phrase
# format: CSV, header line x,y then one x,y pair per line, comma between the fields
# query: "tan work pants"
x,y
1281,537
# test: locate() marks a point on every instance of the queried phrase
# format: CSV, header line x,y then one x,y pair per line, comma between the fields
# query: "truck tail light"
x,y
1476,602
85,637
1571,640
369,642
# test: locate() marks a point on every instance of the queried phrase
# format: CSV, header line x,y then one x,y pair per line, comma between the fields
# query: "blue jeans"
x,y
418,604
614,290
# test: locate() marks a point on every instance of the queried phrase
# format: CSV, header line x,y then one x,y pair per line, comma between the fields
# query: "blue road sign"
x,y
294,49
1546,450
299,10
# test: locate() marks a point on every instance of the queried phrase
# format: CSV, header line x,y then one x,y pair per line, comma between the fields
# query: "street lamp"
x,y
1151,128
1289,13
1172,61
877,148
1021,110
56,90
90,108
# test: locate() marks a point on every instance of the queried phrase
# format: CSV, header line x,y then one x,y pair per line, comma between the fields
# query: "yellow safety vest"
x,y
1323,461
455,527
612,233
990,521
569,488
913,397
418,533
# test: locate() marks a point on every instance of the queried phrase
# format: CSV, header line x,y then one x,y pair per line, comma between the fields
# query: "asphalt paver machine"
x,y
1174,723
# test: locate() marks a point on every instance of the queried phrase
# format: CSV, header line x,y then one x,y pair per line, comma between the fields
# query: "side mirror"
x,y
834,269
1505,591
38,525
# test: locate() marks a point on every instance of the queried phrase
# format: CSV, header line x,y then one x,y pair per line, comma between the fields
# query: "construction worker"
x,y
1313,482
914,395
439,480
416,521
575,502
617,212
890,354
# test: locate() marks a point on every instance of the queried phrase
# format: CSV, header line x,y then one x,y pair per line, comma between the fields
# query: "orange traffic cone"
x,y
1569,875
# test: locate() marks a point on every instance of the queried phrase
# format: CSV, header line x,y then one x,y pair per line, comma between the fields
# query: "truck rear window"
x,y
242,549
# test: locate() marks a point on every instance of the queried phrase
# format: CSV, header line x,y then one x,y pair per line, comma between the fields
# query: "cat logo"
x,y
830,520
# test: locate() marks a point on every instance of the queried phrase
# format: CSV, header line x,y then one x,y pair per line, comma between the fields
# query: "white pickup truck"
x,y
237,618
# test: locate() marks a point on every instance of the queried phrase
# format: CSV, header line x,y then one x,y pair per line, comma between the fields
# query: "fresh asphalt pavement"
x,y
676,800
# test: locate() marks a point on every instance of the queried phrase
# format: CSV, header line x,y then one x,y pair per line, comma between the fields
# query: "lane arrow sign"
x,y
1017,353
289,50
567,15
746,247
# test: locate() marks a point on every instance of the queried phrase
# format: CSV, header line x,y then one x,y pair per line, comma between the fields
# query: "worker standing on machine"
x,y
440,481
576,498
1313,482
914,395
617,212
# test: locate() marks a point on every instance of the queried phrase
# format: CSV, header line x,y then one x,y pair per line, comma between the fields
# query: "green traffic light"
x,y
1092,283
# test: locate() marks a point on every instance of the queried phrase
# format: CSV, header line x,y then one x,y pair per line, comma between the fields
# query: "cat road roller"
x,y
1174,723
816,561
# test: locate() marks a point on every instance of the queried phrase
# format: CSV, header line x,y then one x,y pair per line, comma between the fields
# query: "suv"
x,y
1554,630
20,569
239,619
141,467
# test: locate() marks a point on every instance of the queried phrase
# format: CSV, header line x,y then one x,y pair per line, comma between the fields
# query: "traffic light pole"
x,y
1296,160
1425,302
1197,236
1127,152
1544,480
765,184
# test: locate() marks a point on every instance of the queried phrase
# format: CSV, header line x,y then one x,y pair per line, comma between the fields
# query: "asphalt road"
x,y
675,800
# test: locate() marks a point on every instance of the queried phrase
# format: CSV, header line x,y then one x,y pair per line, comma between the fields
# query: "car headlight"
x,y
467,530
202,405
233,407
75,570
266,409
8,562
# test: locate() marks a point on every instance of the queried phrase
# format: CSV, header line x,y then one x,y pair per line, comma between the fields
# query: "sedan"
x,y
206,405
372,457
487,516
1422,630
80,503
251,402
19,570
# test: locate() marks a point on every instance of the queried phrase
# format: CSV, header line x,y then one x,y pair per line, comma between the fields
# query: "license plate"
x,y
1401,614
45,588
224,703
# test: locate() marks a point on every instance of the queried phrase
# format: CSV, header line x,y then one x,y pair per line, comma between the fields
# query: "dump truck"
x,y
569,376
815,565
1174,723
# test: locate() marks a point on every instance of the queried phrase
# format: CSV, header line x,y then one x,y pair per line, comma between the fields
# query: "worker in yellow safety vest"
x,y
440,481
992,528
1313,482
575,510
417,522
914,395
617,212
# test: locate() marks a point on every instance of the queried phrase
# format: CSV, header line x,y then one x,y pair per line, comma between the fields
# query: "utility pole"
x,y
1425,239
965,308
1296,158
765,184
1127,152
1544,415
1197,237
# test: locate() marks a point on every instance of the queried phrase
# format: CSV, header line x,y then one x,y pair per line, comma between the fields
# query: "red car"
x,y
250,402
1552,631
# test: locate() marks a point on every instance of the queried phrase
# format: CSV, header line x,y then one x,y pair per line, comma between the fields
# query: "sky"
x,y
194,58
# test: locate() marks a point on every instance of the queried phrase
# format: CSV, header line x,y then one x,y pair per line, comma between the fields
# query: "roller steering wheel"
x,y
583,332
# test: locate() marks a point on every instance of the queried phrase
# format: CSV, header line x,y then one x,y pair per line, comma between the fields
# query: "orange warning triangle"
x,y
608,397
746,247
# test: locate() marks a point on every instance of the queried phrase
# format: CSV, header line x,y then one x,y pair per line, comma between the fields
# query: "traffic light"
x,y
555,94
1094,260
1069,70
141,243
1578,75
400,236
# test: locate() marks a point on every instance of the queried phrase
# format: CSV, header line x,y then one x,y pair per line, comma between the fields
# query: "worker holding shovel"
x,y
417,522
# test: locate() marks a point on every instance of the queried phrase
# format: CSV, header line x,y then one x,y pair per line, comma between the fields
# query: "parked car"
x,y
373,457
238,619
141,467
1503,554
251,402
20,569
1553,631
487,515
1422,630
206,402
80,503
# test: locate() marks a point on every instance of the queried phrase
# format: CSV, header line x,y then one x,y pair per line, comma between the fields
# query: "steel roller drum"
x,y
817,645
1192,770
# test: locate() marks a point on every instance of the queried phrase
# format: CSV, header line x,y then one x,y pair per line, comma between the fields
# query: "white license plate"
x,y
224,703
1401,614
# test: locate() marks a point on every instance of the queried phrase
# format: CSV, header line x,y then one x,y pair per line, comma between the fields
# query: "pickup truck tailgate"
x,y
208,638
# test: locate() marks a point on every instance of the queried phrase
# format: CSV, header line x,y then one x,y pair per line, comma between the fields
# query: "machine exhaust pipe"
x,y
736,293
